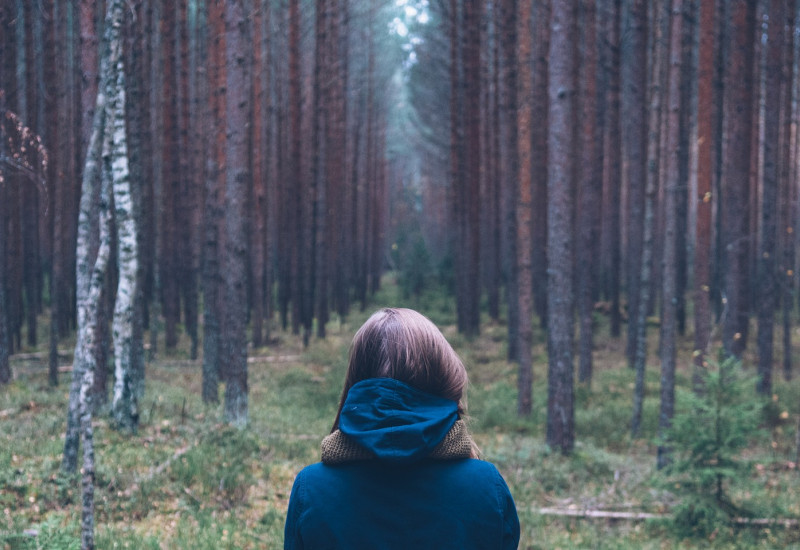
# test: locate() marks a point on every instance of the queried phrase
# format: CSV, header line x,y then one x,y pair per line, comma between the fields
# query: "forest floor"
x,y
186,480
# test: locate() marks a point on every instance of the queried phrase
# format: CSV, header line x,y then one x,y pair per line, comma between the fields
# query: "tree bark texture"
x,y
768,242
539,112
633,68
672,186
737,132
128,382
524,209
212,211
84,358
560,237
704,196
590,188
639,316
612,172
237,183
509,166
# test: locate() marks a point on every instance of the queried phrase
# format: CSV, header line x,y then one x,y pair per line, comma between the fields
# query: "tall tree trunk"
x,y
669,267
612,172
86,271
212,278
260,166
788,201
738,115
768,250
237,182
524,209
5,367
170,184
294,181
320,144
187,201
472,123
705,143
509,166
590,187
560,238
633,70
639,316
689,74
125,402
157,102
539,112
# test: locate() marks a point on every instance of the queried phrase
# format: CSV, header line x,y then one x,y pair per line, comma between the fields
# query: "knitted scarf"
x,y
337,448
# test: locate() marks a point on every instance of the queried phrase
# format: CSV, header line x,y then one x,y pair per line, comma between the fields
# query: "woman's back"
x,y
438,504
399,469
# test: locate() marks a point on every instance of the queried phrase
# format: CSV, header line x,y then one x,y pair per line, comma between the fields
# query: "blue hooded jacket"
x,y
401,498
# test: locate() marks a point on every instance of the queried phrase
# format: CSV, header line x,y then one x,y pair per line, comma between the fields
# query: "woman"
x,y
399,469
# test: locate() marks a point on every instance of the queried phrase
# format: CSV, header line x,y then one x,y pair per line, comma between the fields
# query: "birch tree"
x,y
128,374
103,164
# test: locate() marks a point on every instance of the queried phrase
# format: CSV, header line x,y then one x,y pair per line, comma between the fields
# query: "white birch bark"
x,y
83,361
90,282
87,343
127,382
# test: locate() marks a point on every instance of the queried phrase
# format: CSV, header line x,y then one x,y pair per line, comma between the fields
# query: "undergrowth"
x,y
186,481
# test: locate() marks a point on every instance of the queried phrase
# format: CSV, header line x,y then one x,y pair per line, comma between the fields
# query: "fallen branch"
x,y
639,516
603,514
156,470
40,355
273,358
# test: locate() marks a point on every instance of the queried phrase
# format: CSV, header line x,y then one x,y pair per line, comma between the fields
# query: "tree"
x,y
560,237
212,212
237,184
539,111
524,208
638,317
768,289
633,68
737,132
672,187
705,144
612,167
101,165
590,187
788,199
508,164
128,374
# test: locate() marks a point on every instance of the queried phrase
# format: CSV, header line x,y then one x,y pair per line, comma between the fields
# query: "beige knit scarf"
x,y
337,448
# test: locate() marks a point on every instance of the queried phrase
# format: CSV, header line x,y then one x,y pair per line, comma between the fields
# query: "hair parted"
x,y
405,345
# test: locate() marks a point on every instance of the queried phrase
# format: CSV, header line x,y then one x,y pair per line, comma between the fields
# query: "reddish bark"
x,y
767,279
590,187
737,137
703,198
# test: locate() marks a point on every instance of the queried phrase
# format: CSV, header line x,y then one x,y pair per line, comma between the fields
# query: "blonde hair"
x,y
405,345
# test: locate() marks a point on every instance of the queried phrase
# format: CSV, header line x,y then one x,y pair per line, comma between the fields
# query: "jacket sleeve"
x,y
291,532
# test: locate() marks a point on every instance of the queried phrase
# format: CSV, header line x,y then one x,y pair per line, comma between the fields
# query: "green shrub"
x,y
708,433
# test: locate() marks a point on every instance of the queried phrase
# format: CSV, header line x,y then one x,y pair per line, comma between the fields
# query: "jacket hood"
x,y
394,420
